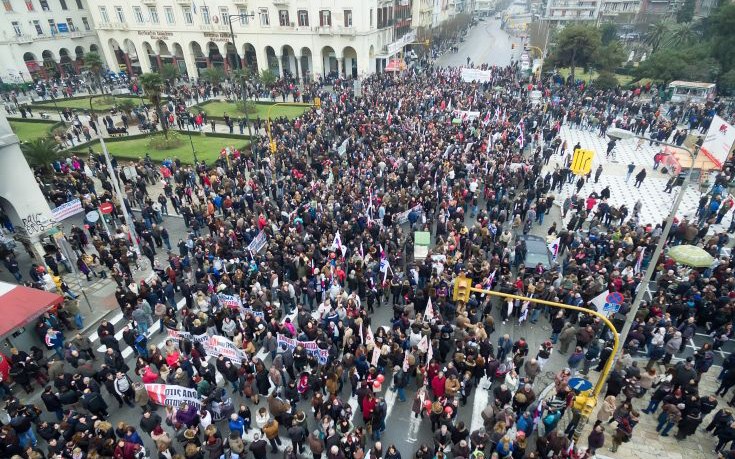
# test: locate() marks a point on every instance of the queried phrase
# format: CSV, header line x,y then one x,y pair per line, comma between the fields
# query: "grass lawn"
x,y
580,74
207,148
218,109
29,131
99,103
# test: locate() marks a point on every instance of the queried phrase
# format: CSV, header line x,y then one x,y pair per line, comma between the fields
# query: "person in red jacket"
x,y
126,450
438,385
368,406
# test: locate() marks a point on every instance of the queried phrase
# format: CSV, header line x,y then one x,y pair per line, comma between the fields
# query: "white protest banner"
x,y
231,301
466,115
403,216
322,355
257,244
469,75
718,141
173,395
219,345
213,345
260,314
66,210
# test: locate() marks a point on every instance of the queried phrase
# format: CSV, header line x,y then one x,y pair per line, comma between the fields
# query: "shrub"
x,y
160,142
247,106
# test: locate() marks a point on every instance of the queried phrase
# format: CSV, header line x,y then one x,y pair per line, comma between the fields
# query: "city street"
x,y
486,43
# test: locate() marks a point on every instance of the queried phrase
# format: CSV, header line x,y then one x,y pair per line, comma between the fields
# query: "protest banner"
x,y
173,395
257,244
403,216
213,345
231,301
66,210
469,75
322,355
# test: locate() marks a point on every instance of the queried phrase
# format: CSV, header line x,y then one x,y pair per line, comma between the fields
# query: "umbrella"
x,y
691,255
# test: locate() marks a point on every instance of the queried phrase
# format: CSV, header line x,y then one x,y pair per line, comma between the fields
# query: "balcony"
x,y
282,2
148,2
207,27
325,30
112,26
184,2
347,31
25,38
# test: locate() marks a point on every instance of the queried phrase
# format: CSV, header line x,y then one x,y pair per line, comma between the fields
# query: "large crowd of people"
x,y
338,204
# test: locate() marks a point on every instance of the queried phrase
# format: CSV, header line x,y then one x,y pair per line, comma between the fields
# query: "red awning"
x,y
20,305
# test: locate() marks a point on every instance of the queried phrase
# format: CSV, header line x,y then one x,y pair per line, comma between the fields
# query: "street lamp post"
x,y
186,117
622,134
116,186
238,64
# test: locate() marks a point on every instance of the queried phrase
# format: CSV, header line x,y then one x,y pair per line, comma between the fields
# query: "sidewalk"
x,y
646,442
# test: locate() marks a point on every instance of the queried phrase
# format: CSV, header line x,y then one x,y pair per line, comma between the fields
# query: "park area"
x,y
217,109
99,103
207,148
30,130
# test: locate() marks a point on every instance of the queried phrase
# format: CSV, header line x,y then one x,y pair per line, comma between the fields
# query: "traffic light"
x,y
273,146
318,102
462,287
585,403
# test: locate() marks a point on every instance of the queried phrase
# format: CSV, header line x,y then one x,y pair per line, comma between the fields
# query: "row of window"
x,y
206,17
53,26
43,4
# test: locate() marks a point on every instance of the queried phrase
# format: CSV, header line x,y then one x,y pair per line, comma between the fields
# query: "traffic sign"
x,y
611,307
106,208
580,384
92,216
614,297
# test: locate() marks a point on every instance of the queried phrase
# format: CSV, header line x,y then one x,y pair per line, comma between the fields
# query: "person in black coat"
x,y
20,376
94,402
52,402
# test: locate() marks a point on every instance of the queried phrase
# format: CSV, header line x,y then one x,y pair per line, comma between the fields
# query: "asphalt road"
x,y
486,43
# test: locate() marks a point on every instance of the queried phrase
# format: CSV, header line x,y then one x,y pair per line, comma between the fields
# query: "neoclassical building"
x,y
303,38
42,38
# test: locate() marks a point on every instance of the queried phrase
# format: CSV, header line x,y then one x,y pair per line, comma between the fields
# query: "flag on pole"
x,y
429,354
423,345
554,248
193,7
570,450
362,335
337,242
639,262
369,338
405,361
521,138
429,313
486,120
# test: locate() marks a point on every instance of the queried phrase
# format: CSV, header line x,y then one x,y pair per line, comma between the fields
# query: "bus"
x,y
691,91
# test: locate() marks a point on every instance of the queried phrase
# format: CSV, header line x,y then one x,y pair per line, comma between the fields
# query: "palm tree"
x,y
41,152
657,34
93,62
152,84
681,35
214,75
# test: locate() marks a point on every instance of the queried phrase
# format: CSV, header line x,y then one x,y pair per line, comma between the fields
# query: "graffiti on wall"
x,y
37,223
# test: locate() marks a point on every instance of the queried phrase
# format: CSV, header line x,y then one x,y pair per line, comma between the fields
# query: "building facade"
x,y
44,38
302,38
562,12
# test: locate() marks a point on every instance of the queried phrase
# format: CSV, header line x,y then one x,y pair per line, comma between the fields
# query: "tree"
x,y
657,33
93,63
169,72
213,75
41,152
268,78
722,33
610,56
608,33
727,81
693,63
606,80
685,12
126,106
152,84
576,45
681,35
